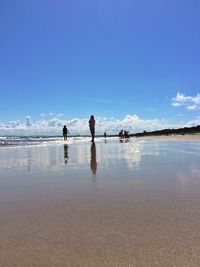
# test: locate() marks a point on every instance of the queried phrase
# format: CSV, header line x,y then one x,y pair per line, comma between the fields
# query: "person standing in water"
x,y
92,127
65,132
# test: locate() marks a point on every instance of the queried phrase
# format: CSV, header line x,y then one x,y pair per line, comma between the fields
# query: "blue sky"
x,y
131,63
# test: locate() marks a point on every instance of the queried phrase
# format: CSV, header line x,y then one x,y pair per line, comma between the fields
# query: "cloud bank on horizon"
x,y
132,123
53,126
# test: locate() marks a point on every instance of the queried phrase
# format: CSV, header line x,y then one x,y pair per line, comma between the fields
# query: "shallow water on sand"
x,y
137,159
107,203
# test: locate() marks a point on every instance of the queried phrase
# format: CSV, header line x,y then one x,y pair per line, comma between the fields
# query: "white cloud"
x,y
28,121
194,122
192,107
53,126
176,104
189,102
55,123
13,124
41,124
51,114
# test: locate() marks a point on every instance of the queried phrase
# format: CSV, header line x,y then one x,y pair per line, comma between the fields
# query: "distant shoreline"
x,y
173,137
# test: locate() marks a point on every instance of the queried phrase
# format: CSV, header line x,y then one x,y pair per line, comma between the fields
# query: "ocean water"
x,y
28,140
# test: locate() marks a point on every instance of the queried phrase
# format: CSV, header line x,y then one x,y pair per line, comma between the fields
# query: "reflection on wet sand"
x,y
131,155
125,140
93,161
30,158
65,153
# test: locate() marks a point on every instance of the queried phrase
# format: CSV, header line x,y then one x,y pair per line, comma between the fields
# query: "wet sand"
x,y
112,204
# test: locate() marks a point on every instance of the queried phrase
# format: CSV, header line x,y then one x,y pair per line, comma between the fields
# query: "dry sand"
x,y
56,220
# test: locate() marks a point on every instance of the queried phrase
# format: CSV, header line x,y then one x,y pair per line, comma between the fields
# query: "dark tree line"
x,y
182,131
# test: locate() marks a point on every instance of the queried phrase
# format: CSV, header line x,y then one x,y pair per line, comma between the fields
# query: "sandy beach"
x,y
176,137
110,203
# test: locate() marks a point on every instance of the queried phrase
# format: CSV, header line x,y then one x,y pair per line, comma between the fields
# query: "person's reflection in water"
x,y
93,161
65,153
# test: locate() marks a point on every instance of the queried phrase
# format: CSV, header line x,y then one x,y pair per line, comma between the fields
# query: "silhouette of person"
x,y
65,132
121,134
93,161
66,153
92,127
126,134
105,135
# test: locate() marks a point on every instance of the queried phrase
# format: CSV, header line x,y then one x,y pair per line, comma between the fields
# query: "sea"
x,y
32,140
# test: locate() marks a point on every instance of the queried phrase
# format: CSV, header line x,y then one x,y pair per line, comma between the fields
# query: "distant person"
x,y
121,134
92,127
65,132
105,135
93,161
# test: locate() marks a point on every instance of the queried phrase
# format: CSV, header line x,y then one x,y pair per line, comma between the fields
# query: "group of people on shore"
x,y
91,126
122,133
